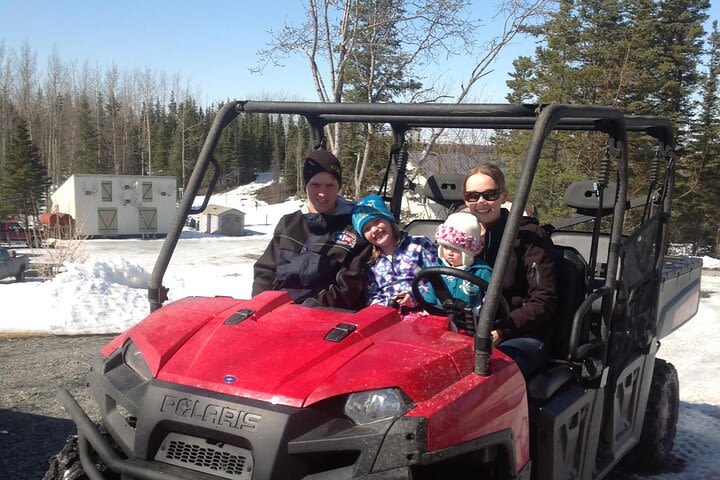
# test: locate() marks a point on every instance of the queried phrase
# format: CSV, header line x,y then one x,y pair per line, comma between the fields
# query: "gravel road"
x,y
33,424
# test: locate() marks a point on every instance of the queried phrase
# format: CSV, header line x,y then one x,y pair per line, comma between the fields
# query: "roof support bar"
x,y
549,117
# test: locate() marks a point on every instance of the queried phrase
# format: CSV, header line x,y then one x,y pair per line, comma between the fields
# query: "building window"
x,y
148,219
147,191
106,188
107,220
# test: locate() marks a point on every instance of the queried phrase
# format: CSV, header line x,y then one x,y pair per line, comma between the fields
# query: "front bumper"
x,y
224,437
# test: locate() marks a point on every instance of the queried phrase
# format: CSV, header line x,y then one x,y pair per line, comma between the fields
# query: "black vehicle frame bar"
x,y
541,119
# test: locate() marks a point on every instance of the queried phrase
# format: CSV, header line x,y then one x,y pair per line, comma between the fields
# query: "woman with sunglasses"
x,y
529,285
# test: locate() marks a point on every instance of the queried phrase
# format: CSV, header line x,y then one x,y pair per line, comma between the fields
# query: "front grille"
x,y
227,461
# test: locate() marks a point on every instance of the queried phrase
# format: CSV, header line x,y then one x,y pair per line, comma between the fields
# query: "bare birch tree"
x,y
335,33
26,68
112,109
324,38
516,15
6,107
56,94
146,84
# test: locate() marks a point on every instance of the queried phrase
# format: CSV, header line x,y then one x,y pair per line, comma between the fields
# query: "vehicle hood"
x,y
271,349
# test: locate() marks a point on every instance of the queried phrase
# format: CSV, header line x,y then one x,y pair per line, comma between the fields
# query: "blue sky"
x,y
211,46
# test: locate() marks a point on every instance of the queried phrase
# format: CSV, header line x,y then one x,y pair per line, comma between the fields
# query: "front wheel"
x,y
661,415
66,464
20,277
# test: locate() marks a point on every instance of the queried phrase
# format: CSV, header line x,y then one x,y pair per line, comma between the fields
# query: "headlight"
x,y
134,359
376,405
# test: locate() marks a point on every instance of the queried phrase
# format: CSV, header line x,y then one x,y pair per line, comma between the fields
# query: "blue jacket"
x,y
463,290
389,276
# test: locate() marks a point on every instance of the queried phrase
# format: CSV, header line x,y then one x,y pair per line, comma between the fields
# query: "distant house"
x,y
221,220
118,205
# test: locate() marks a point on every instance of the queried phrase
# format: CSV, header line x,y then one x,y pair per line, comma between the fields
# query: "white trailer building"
x,y
118,205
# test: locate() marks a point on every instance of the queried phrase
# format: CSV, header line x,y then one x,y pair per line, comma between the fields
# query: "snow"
x,y
107,293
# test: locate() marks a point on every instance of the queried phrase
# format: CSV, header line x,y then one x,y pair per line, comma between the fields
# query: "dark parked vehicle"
x,y
225,388
13,265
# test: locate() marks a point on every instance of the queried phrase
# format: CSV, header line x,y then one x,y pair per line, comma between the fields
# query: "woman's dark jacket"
x,y
530,284
318,259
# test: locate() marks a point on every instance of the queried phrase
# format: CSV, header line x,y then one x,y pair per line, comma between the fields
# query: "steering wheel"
x,y
433,276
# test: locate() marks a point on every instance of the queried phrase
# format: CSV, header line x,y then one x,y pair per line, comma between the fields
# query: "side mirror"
x,y
12,253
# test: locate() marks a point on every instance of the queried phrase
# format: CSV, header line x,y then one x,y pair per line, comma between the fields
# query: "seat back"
x,y
445,189
582,196
424,227
581,242
571,274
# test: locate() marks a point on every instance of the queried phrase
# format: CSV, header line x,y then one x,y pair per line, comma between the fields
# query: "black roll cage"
x,y
541,119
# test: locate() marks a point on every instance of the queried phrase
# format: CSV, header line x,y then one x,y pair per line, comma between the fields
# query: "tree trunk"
x,y
362,165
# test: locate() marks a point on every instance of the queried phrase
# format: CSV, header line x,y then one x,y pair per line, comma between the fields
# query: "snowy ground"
x,y
108,293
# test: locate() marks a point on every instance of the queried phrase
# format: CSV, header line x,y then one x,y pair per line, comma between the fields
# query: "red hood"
x,y
280,353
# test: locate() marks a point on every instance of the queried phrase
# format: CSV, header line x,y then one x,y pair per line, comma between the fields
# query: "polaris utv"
x,y
262,388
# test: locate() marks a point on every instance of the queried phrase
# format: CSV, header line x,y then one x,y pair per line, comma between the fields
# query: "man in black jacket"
x,y
315,254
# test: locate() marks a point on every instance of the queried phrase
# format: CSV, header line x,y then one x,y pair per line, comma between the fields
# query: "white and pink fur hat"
x,y
462,231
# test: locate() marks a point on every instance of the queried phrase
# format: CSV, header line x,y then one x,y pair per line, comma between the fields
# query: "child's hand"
x,y
404,299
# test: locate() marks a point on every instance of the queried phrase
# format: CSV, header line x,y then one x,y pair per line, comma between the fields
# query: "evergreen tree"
x,y
86,153
289,162
225,154
112,114
623,53
187,140
263,144
105,164
278,134
246,149
163,126
24,178
379,70
699,171
278,181
302,146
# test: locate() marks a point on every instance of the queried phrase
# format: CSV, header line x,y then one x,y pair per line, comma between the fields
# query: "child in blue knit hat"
x,y
396,256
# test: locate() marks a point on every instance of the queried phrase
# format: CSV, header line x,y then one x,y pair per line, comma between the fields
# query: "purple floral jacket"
x,y
390,276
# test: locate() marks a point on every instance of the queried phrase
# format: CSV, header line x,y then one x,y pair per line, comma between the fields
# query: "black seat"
x,y
571,274
571,269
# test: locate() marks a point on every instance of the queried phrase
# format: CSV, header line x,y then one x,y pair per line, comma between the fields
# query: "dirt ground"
x,y
33,424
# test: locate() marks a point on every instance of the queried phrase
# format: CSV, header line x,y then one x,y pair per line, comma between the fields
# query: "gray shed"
x,y
222,220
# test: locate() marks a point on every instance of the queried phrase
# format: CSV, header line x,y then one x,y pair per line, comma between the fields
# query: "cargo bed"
x,y
679,293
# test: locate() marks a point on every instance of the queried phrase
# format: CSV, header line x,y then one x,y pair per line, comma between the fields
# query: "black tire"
x,y
20,277
652,453
66,464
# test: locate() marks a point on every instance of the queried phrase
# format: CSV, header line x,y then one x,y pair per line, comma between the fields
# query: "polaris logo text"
x,y
210,413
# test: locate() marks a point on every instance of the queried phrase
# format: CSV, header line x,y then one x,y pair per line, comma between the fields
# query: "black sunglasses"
x,y
488,195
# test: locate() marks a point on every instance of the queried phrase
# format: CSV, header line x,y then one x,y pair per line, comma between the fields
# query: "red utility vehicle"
x,y
261,388
14,232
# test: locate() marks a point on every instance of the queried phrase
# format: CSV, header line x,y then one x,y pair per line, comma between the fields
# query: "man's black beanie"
x,y
321,161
